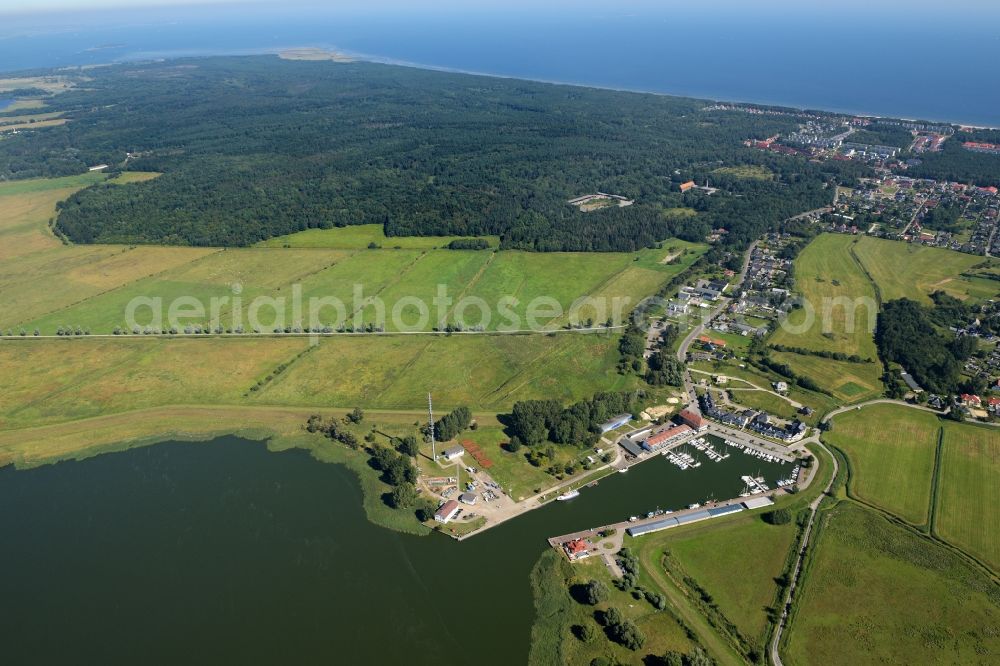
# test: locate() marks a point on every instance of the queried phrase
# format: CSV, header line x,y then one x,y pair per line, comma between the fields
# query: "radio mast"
x,y
430,425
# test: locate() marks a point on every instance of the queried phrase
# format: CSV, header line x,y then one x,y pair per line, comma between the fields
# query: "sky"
x,y
31,6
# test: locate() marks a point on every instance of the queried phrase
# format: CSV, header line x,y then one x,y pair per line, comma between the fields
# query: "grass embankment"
x,y
875,591
902,270
891,450
282,427
557,613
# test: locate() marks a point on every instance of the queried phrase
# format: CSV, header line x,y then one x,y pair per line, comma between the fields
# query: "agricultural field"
x,y
716,556
32,125
891,451
557,612
26,118
902,270
969,491
838,295
51,381
394,277
45,285
848,382
875,591
357,237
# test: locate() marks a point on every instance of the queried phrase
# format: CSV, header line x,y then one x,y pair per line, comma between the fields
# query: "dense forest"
x,y
256,147
906,334
955,162
534,422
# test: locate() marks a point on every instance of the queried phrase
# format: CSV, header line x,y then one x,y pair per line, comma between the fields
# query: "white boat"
x,y
568,496
623,470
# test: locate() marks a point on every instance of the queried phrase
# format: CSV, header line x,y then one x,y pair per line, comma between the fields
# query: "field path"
x,y
797,570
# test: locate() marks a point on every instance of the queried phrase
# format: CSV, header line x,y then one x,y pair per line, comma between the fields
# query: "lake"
x,y
896,58
226,552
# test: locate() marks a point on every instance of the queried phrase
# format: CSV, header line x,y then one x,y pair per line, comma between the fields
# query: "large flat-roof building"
x,y
666,437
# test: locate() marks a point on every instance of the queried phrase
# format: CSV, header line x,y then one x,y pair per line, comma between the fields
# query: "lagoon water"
x,y
895,57
225,552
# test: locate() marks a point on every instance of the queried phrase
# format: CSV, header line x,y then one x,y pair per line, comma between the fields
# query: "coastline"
x,y
347,55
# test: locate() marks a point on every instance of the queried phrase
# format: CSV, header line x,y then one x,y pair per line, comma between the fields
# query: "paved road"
x,y
753,387
700,328
880,401
208,336
813,507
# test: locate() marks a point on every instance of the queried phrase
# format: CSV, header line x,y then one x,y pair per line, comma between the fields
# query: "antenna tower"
x,y
430,425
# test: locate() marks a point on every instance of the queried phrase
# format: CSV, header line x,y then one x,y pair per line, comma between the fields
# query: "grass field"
x,y
717,556
969,494
45,284
902,270
552,639
837,292
26,118
819,402
768,402
24,105
394,277
747,171
518,478
360,236
876,592
891,449
48,381
41,124
848,382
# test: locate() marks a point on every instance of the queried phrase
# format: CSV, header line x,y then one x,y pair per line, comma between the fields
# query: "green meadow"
x,y
902,270
891,451
877,592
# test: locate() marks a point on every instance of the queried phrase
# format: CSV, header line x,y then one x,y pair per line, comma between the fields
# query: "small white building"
x,y
452,453
447,511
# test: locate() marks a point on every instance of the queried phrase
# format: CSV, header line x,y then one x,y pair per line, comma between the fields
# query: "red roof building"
x,y
691,419
576,549
664,437
970,400
687,186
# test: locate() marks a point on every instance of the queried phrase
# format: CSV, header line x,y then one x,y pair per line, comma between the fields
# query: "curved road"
x,y
813,508
880,401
